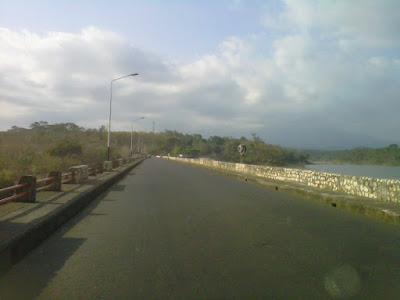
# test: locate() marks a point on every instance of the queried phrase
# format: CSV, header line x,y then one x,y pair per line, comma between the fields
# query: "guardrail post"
x,y
108,166
56,181
30,189
79,173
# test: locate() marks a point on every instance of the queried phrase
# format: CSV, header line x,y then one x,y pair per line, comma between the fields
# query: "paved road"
x,y
170,231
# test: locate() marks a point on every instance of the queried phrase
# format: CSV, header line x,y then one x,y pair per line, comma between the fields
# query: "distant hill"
x,y
361,155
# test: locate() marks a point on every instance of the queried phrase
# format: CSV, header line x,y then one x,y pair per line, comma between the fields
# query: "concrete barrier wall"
x,y
387,190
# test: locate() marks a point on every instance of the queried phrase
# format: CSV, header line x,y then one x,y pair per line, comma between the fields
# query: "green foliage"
x,y
65,147
93,153
177,150
192,152
186,151
24,158
6,179
258,152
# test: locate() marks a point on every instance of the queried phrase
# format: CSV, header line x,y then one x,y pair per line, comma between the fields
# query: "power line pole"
x,y
153,126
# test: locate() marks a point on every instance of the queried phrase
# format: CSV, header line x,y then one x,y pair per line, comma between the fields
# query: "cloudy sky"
x,y
299,73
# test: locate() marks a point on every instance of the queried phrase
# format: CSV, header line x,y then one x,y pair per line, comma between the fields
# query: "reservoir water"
x,y
358,170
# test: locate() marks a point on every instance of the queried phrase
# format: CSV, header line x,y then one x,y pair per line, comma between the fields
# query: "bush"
x,y
94,154
65,147
6,179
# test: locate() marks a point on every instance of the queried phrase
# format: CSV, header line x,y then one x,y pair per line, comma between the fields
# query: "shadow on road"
x,y
118,188
27,278
21,283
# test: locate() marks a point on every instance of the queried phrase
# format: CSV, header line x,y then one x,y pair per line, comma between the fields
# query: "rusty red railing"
x,y
53,182
13,189
92,171
45,180
66,177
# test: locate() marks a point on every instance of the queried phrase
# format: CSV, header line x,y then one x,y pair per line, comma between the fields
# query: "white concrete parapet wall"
x,y
387,190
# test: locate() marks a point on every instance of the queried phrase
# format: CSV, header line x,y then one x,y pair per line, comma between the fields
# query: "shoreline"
x,y
345,163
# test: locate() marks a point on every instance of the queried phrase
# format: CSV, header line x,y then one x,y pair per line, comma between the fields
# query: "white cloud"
x,y
292,53
9,111
366,23
318,79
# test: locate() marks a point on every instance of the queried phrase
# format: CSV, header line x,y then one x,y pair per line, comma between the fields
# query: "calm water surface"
x,y
357,170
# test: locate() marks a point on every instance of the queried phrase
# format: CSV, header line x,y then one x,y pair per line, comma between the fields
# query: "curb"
x,y
19,246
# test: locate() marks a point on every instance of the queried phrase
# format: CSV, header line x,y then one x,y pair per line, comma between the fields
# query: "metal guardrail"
x,y
52,182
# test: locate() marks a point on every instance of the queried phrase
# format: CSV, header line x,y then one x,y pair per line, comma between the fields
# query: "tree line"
x,y
389,155
45,147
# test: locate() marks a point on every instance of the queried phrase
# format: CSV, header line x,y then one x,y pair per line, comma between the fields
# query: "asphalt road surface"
x,y
171,231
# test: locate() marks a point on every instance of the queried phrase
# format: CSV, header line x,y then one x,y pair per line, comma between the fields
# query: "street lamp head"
x,y
134,74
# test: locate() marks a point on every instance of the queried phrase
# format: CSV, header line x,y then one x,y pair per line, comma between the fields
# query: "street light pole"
x,y
138,143
132,135
109,119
